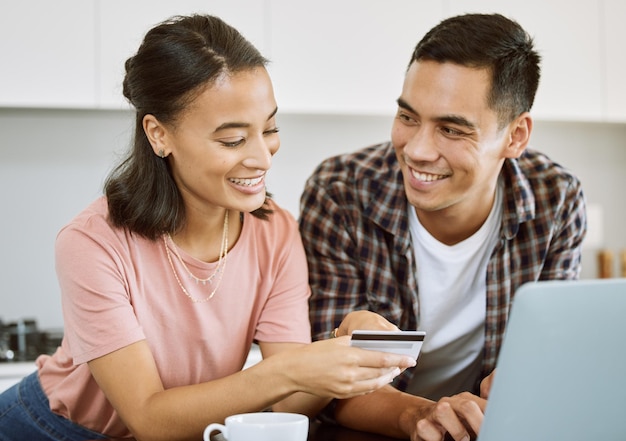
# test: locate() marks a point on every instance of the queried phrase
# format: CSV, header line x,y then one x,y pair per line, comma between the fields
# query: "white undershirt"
x,y
452,305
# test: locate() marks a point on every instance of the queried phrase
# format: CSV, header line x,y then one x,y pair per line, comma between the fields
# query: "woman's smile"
x,y
248,185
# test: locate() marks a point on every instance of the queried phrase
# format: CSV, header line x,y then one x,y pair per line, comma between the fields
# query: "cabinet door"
x,y
567,35
346,56
615,56
123,24
47,53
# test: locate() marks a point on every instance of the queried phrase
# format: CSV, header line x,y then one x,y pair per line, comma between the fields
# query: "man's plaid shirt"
x,y
354,225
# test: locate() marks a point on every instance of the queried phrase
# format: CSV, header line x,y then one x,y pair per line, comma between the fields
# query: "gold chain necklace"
x,y
219,269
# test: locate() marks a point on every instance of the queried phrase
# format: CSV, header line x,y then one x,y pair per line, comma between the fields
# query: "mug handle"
x,y
213,427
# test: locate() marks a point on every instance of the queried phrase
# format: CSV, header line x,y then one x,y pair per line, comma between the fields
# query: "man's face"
x,y
447,140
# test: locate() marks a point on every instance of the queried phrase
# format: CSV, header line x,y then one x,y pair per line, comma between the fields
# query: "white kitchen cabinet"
x,y
615,56
345,56
568,37
122,25
47,53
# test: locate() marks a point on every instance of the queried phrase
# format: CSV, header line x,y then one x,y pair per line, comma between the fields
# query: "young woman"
x,y
168,278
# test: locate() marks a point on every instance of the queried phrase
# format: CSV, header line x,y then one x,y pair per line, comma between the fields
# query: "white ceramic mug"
x,y
262,426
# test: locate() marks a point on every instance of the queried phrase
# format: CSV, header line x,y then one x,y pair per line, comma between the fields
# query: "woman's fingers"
x,y
343,371
370,370
371,381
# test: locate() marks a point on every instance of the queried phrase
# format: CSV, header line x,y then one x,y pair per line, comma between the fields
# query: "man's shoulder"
x,y
355,179
537,165
538,186
541,172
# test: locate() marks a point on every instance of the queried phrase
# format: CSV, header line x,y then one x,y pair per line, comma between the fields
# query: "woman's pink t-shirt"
x,y
118,288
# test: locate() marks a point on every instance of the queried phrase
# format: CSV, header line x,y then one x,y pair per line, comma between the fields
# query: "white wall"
x,y
53,162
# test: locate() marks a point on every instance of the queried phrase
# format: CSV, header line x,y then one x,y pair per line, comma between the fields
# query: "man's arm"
x,y
337,287
393,413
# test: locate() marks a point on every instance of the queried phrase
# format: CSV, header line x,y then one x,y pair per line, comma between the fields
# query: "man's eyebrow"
x,y
403,104
451,119
238,125
273,113
457,120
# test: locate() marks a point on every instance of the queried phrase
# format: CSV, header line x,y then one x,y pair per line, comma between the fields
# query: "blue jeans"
x,y
25,415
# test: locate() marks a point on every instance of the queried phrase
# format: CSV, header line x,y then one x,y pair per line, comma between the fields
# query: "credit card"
x,y
398,342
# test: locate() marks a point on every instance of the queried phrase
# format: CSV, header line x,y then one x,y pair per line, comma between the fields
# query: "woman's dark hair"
x,y
175,62
494,42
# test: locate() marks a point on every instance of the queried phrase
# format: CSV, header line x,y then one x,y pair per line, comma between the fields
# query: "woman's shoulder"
x,y
92,223
94,214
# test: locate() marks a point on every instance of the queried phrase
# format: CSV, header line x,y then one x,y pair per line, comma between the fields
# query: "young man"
x,y
437,229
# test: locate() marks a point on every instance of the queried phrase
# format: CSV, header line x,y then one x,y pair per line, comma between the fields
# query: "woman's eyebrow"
x,y
238,125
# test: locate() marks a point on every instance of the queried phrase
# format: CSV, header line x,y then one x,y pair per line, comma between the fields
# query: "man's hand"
x,y
485,385
364,320
459,416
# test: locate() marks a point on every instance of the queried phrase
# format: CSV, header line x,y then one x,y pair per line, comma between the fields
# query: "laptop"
x,y
561,373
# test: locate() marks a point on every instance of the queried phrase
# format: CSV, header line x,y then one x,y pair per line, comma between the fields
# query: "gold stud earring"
x,y
161,154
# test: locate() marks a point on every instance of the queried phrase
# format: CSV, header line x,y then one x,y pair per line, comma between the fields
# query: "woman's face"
x,y
221,147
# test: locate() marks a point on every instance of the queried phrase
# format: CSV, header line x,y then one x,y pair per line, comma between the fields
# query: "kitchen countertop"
x,y
11,372
16,368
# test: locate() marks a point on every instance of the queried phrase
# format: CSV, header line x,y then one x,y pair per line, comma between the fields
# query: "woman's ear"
x,y
519,135
156,134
